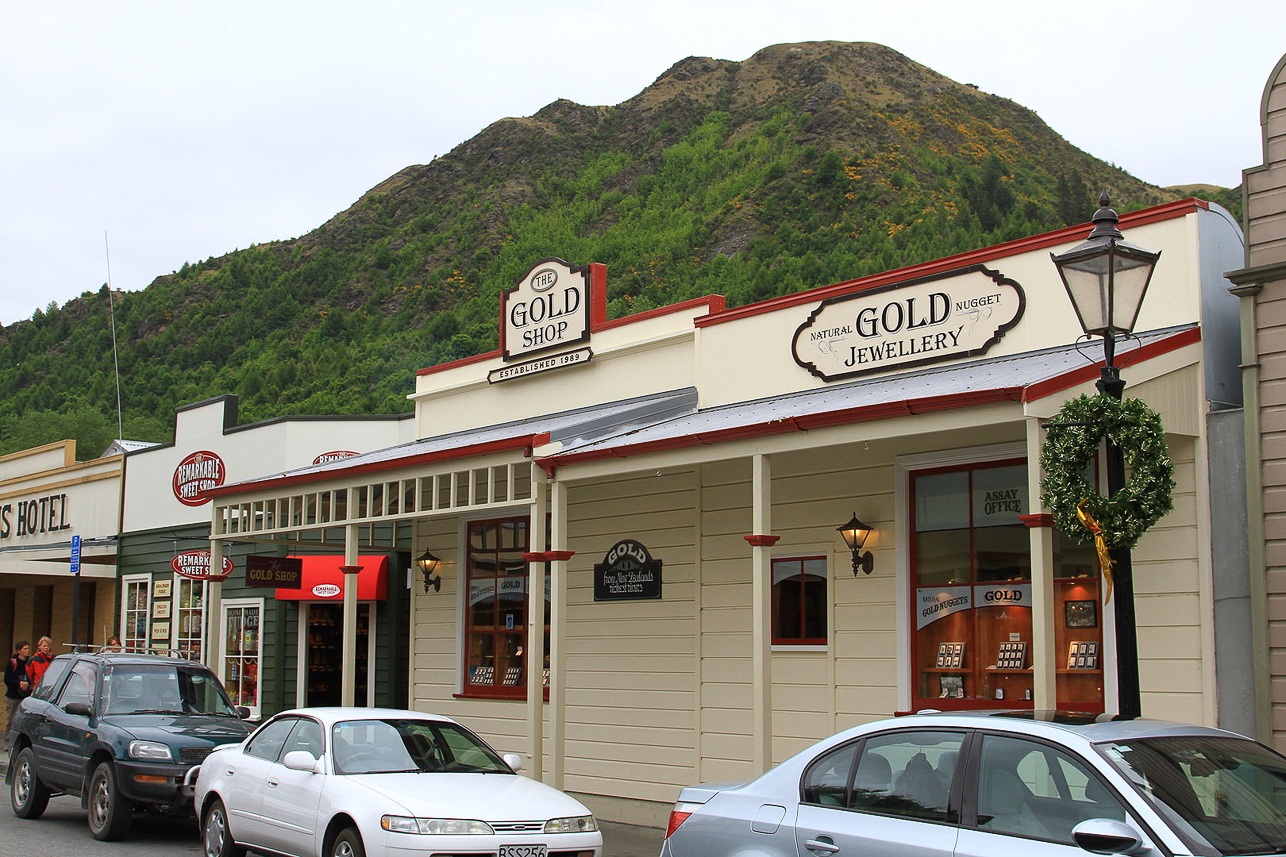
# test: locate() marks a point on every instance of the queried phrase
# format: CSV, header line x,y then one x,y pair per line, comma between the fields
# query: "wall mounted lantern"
x,y
855,534
427,563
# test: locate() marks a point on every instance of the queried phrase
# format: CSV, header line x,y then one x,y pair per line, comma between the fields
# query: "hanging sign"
x,y
948,316
627,573
195,565
933,604
283,572
548,309
196,475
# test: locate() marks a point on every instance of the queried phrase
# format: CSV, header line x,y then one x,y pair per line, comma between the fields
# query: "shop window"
x,y
971,566
496,615
242,650
136,606
799,601
189,623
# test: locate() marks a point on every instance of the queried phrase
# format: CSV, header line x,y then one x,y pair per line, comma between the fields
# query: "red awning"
x,y
323,581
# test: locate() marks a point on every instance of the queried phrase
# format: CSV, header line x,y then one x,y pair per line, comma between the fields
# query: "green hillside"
x,y
801,166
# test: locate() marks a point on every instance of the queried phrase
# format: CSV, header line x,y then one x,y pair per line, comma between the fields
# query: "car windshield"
x,y
163,688
396,745
1227,796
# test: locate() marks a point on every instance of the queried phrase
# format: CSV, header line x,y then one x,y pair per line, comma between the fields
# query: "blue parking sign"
x,y
75,555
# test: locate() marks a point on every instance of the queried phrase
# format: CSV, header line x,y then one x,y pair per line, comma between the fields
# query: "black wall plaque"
x,y
282,572
627,573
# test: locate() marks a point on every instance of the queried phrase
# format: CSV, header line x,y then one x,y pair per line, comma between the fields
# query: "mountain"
x,y
804,165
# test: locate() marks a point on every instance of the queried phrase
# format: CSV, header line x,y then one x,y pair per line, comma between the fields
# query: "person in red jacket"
x,y
40,660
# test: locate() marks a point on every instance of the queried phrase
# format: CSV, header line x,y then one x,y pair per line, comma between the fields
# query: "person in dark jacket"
x,y
40,661
16,684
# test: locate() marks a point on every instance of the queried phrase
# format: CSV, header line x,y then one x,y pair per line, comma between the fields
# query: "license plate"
x,y
522,851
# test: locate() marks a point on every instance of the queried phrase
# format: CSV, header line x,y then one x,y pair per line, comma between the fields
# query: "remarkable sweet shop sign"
x,y
948,316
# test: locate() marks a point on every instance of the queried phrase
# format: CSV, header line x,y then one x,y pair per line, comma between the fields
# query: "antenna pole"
x,y
111,306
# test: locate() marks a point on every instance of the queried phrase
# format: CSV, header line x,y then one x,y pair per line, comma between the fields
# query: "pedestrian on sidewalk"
x,y
40,660
17,685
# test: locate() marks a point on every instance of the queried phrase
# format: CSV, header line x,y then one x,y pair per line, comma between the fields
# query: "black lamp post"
x,y
1106,278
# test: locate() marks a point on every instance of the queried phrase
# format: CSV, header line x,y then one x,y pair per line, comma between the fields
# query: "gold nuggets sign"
x,y
958,314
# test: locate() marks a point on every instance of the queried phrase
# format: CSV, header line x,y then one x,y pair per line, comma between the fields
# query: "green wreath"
x,y
1072,439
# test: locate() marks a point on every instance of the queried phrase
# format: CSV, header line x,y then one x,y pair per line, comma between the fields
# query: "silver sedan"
x,y
998,784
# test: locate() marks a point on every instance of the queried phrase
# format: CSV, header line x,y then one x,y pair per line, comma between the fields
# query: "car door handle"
x,y
272,783
822,845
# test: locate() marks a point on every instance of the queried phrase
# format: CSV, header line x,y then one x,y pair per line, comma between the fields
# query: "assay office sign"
x,y
958,314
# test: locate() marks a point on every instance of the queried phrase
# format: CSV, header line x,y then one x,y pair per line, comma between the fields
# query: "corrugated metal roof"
x,y
591,422
959,385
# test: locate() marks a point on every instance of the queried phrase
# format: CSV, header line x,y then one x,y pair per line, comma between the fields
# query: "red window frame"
x,y
494,656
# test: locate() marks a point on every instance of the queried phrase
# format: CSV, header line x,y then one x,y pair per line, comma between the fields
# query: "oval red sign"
x,y
196,565
336,455
196,475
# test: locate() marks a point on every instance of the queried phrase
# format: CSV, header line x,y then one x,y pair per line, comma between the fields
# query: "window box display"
x,y
971,561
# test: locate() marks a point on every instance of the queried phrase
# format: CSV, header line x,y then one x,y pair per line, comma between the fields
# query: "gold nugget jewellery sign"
x,y
948,316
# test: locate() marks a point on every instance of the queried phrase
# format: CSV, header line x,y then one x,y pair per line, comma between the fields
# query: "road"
x,y
62,832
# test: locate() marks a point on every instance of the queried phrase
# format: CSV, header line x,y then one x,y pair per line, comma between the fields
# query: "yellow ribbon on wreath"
x,y
1100,543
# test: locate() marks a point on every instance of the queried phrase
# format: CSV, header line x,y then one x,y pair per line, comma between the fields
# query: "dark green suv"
x,y
120,731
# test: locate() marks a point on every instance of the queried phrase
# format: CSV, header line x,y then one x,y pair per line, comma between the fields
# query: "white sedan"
x,y
347,782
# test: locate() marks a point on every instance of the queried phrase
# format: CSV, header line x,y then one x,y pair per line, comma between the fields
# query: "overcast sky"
x,y
172,131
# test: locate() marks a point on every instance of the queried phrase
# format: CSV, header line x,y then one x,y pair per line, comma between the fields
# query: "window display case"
x,y
971,565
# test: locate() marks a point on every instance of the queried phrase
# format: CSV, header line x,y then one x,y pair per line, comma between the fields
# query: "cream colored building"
x,y
47,499
681,474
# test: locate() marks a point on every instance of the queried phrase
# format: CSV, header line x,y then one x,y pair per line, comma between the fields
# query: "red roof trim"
x,y
456,364
714,303
846,416
1091,371
883,411
524,442
1142,217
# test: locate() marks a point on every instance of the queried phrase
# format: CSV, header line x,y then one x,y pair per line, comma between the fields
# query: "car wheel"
x,y
216,838
109,813
348,844
27,793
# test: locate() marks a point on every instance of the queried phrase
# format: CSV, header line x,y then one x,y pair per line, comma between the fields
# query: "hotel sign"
x,y
948,316
548,310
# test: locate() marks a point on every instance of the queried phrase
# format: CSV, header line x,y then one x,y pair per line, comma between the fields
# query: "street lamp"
x,y
1106,278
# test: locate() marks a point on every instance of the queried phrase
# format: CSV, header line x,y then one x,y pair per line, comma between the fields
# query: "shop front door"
x,y
324,637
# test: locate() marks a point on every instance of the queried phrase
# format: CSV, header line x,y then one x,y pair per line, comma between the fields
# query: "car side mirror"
x,y
81,708
514,761
300,760
243,712
1108,836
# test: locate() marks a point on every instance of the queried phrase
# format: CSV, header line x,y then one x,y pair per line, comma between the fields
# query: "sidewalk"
x,y
628,840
